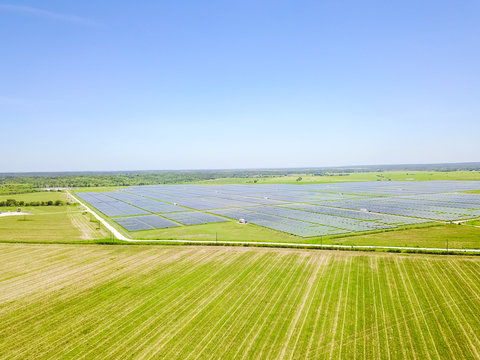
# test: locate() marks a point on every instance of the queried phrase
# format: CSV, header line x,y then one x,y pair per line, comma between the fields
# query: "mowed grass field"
x,y
230,230
50,224
435,236
171,302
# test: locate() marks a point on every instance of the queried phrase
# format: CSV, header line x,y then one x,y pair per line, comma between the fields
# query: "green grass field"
x,y
231,231
473,192
50,224
367,176
92,301
433,235
36,196
457,236
474,222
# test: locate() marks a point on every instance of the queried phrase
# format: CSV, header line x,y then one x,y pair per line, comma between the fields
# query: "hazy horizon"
x,y
89,86
356,166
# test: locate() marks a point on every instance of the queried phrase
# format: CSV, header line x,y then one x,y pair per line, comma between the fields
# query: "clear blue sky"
x,y
126,85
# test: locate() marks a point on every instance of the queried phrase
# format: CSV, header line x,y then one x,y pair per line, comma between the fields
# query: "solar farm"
x,y
314,210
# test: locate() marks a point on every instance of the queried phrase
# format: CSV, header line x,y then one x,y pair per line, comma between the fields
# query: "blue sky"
x,y
117,85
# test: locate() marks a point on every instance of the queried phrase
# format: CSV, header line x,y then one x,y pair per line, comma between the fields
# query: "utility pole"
x,y
216,238
447,243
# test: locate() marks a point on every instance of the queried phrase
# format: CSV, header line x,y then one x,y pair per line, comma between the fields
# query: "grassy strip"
x,y
110,241
472,192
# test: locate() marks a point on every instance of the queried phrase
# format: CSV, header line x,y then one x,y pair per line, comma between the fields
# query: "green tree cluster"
x,y
15,203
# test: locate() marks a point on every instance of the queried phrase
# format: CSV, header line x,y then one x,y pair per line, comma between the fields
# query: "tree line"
x,y
14,188
15,203
133,179
17,183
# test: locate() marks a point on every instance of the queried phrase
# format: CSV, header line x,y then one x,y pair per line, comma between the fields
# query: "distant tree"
x,y
11,202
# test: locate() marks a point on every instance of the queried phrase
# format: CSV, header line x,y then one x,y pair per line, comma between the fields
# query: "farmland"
x,y
185,302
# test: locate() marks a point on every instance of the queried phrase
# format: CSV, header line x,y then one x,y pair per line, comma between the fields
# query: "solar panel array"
x,y
110,206
153,206
402,207
146,222
291,226
361,215
194,217
303,210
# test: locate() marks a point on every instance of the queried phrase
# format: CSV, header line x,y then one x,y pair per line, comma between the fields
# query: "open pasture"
x,y
318,210
36,196
90,301
50,224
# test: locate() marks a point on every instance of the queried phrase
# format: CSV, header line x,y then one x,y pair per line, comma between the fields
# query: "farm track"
x,y
67,301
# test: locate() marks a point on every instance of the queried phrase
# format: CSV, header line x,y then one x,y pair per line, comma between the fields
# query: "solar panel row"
x,y
109,206
153,206
291,226
388,206
147,222
323,219
194,217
